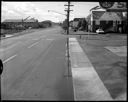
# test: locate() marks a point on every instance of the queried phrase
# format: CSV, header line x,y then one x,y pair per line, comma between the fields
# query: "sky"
x,y
39,10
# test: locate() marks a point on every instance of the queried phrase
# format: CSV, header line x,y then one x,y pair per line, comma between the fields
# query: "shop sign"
x,y
114,6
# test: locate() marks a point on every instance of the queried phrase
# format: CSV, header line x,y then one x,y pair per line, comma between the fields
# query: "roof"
x,y
94,8
97,14
103,15
13,20
20,20
97,8
77,19
30,20
111,16
46,21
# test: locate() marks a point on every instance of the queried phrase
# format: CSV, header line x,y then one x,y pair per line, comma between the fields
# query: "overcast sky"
x,y
39,10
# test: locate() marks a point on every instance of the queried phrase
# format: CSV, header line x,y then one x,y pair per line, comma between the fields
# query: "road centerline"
x,y
9,58
33,44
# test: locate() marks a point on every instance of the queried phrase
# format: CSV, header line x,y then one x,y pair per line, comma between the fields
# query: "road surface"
x,y
35,67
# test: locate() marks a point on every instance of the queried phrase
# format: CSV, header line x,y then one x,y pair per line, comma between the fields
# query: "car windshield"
x,y
57,51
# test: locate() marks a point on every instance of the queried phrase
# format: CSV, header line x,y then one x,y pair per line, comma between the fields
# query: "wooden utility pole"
x,y
68,14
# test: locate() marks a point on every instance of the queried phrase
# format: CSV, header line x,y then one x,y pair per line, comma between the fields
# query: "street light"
x,y
56,12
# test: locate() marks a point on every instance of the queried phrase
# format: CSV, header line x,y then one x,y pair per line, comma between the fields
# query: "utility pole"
x,y
68,14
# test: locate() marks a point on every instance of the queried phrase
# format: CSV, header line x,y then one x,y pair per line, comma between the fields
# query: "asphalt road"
x,y
35,67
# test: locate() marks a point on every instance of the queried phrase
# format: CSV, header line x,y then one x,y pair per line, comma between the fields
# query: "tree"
x,y
5,26
65,24
84,24
79,23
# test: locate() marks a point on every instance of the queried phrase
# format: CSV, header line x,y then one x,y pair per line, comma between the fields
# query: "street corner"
x,y
109,59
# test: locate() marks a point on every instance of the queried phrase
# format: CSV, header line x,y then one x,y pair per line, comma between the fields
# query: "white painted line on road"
x,y
8,36
33,44
9,58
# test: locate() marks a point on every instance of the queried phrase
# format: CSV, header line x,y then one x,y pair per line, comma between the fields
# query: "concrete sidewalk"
x,y
86,82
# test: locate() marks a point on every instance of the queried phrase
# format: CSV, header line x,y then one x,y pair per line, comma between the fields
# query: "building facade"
x,y
19,23
108,21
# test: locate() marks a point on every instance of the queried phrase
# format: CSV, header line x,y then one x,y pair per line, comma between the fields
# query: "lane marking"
x,y
33,44
9,58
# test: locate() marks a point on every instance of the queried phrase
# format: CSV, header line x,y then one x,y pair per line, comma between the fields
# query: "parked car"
x,y
100,31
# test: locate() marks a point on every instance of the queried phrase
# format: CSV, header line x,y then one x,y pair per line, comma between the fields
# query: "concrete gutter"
x,y
86,82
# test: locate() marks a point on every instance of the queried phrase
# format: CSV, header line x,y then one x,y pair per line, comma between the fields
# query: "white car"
x,y
100,31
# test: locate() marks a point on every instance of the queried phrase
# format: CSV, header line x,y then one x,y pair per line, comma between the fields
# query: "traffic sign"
x,y
106,5
114,6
